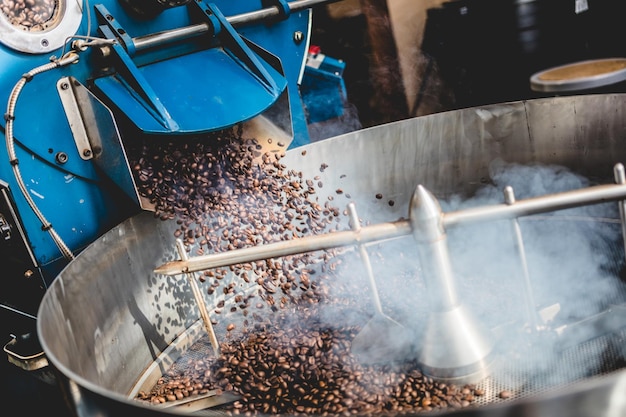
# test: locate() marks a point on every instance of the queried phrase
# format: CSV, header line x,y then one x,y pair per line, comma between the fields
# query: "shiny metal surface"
x,y
455,346
107,317
371,344
43,36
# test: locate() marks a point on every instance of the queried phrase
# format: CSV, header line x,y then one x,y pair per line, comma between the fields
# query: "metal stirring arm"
x,y
390,230
454,345
381,339
312,243
197,294
354,221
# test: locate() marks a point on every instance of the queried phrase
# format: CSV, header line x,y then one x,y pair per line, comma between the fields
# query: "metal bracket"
x,y
74,117
132,79
117,32
235,46
96,135
29,362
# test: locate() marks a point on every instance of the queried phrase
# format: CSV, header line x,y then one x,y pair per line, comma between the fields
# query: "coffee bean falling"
x,y
226,192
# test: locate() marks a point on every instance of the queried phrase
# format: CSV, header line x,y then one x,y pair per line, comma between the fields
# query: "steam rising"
x,y
547,327
573,258
551,334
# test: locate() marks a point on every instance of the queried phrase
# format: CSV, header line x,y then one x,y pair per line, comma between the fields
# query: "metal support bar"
x,y
560,201
620,178
133,76
65,88
509,198
275,11
356,226
159,39
271,250
536,205
197,294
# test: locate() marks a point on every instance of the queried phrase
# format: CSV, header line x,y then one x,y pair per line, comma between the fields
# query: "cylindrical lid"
x,y
581,75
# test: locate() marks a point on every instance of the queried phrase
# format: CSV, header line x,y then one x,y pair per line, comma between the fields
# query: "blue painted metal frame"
x,y
238,87
323,90
79,201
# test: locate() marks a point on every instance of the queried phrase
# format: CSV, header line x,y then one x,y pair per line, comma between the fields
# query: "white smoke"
x,y
573,260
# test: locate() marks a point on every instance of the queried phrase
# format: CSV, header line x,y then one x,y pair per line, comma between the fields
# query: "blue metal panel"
x,y
211,89
210,98
78,208
323,89
75,197
289,40
284,36
40,121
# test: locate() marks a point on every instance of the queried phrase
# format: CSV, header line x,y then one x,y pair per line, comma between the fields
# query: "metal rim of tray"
x,y
582,75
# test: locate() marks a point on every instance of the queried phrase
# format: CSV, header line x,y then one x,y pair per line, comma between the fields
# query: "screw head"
x,y
61,157
298,36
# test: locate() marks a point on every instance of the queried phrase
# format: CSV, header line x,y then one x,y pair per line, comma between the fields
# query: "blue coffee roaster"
x,y
78,77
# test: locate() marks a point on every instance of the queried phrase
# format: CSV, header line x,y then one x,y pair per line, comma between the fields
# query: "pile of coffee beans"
x,y
32,15
299,365
279,353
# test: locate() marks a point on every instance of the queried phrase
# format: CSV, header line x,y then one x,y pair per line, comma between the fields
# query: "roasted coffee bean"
x,y
505,394
306,367
223,192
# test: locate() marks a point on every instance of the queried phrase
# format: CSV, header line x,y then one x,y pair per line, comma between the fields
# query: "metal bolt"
x,y
298,36
61,157
105,51
64,86
86,152
44,43
5,228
